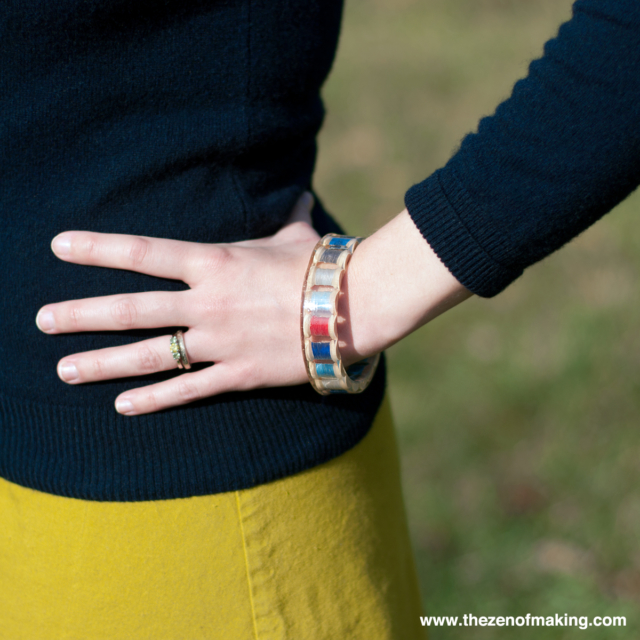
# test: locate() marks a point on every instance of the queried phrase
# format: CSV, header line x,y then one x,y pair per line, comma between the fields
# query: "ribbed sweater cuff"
x,y
439,206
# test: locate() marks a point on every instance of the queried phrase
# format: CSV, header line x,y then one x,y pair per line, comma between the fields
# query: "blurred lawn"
x,y
517,415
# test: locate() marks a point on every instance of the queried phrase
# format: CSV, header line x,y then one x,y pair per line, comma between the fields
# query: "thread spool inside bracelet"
x,y
340,241
325,370
326,275
330,255
357,368
320,326
322,351
335,386
320,320
321,302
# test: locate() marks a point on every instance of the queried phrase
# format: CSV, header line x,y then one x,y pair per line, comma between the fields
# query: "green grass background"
x,y
517,415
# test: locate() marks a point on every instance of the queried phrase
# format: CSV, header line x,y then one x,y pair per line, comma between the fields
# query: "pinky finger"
x,y
183,389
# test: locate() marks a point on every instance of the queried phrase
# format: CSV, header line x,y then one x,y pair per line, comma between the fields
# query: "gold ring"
x,y
178,350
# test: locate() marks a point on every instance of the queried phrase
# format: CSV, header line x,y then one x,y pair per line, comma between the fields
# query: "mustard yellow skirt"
x,y
321,554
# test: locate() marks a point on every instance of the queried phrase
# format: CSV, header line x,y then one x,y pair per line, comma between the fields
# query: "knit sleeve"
x,y
561,152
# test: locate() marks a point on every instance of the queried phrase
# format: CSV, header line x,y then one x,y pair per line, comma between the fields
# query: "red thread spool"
x,y
319,326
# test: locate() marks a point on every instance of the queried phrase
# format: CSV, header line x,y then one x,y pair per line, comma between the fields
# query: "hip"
x,y
324,553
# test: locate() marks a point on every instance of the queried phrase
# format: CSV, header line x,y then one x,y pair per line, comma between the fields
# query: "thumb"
x,y
299,226
301,211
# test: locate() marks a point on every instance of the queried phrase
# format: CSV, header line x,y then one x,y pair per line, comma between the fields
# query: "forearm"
x,y
562,151
395,283
555,157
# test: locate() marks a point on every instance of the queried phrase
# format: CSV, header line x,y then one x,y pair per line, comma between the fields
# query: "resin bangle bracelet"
x,y
319,320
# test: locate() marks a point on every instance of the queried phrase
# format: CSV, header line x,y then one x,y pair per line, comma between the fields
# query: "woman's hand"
x,y
243,307
242,311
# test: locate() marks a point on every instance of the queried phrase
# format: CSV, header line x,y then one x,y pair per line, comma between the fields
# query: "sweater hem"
x,y
225,443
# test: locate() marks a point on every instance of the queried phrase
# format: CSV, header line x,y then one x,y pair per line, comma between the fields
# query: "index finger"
x,y
161,257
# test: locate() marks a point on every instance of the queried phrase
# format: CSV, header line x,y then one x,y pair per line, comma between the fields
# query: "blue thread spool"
x,y
354,370
325,370
321,350
339,242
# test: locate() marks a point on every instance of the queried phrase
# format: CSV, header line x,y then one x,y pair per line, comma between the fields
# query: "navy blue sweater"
x,y
561,152
196,120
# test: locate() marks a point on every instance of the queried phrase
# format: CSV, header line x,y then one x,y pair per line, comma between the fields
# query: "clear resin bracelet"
x,y
319,320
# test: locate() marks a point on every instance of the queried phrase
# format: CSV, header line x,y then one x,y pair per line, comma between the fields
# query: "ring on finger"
x,y
179,351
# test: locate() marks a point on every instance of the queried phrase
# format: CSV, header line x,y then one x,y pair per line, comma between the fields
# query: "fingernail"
x,y
45,321
124,406
68,371
61,245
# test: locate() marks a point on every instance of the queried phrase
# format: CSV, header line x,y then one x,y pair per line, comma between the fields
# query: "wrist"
x,y
395,283
326,368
